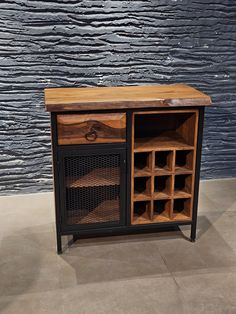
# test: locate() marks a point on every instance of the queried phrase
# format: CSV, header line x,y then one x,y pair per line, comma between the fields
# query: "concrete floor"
x,y
152,273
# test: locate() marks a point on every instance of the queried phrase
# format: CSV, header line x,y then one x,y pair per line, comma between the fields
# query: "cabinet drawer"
x,y
91,128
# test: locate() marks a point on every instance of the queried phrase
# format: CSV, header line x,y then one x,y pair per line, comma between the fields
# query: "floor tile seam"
x,y
205,271
61,289
171,273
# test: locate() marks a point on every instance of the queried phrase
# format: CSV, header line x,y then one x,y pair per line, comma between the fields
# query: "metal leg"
x,y
193,231
59,244
197,175
75,238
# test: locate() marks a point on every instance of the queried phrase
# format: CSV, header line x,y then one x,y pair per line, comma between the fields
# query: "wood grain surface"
x,y
106,211
91,128
97,177
69,99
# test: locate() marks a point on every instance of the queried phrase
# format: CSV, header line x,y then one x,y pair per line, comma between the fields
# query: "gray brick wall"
x,y
107,43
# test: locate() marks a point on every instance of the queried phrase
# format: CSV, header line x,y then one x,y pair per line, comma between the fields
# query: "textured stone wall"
x,y
104,43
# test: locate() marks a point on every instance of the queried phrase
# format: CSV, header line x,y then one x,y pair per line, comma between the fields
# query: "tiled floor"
x,y
152,273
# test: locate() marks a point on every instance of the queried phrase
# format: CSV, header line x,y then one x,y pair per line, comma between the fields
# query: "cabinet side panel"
x,y
129,168
56,182
197,172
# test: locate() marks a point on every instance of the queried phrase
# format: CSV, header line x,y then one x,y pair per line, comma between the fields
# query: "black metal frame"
x,y
56,178
197,174
90,150
124,149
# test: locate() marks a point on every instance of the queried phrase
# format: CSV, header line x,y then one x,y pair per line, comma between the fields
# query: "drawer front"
x,y
91,128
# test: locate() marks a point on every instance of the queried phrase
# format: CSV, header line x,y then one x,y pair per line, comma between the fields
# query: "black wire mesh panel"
x,y
92,189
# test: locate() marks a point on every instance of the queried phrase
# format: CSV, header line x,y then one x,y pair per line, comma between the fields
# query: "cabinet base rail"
x,y
118,231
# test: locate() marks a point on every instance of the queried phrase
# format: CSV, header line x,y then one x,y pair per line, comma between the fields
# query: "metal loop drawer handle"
x,y
91,136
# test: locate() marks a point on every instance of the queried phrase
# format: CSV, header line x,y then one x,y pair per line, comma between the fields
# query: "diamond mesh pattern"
x,y
92,189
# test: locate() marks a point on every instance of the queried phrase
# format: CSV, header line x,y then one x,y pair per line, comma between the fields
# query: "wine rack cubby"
x,y
142,164
182,185
166,152
142,211
184,161
162,187
142,188
163,161
161,210
181,208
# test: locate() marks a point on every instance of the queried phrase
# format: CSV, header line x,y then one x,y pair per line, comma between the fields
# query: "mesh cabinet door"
x,y
93,188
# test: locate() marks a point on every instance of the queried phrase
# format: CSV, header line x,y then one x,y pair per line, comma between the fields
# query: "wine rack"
x,y
163,166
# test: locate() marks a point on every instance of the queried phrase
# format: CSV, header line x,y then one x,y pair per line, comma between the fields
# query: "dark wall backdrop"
x,y
103,43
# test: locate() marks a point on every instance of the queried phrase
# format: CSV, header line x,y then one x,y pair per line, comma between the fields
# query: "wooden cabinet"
x,y
140,166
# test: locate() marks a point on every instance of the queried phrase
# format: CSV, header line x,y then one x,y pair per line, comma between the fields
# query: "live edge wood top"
x,y
102,98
